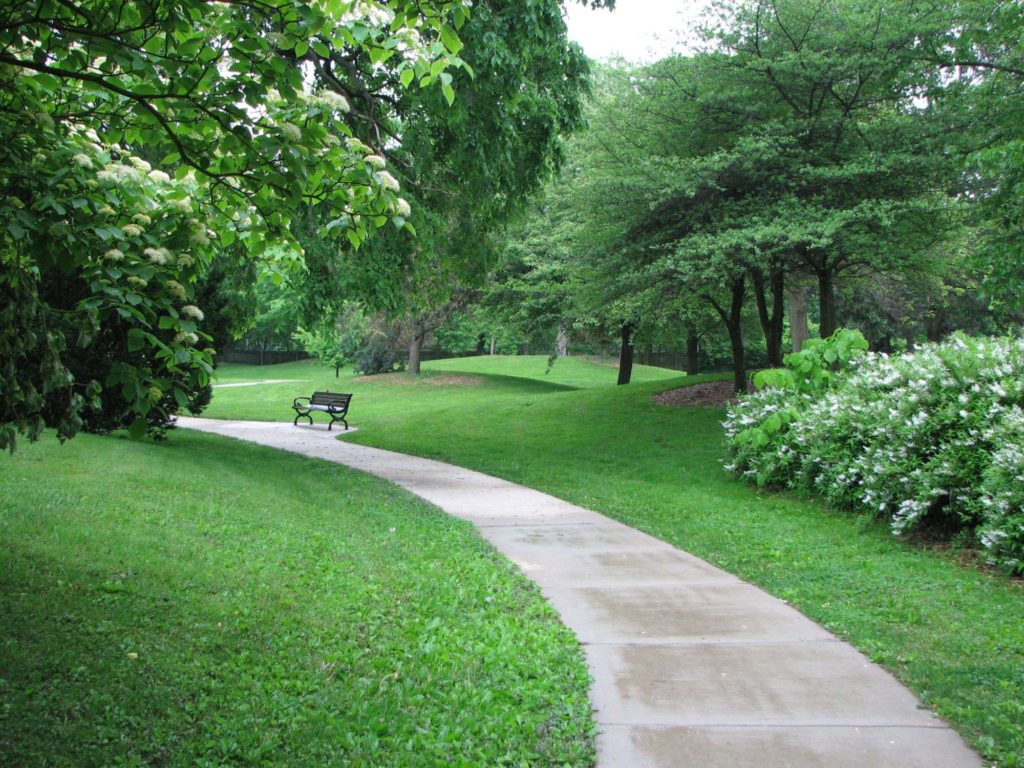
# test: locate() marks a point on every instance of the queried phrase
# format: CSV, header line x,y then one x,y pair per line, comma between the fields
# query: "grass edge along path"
x,y
953,633
206,601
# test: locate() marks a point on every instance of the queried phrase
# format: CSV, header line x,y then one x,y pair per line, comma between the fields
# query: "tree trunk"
x,y
480,342
524,349
493,342
415,345
739,359
934,325
337,371
798,329
562,341
626,354
827,304
733,320
771,322
692,354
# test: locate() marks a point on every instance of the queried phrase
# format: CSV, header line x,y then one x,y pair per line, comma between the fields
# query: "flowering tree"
x,y
136,137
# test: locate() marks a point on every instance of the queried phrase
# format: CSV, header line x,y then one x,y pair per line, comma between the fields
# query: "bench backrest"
x,y
336,399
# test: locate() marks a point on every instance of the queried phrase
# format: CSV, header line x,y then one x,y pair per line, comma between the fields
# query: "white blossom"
x,y
176,289
388,181
191,310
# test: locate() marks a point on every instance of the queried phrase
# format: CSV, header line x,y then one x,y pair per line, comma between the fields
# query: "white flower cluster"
x,y
936,434
160,256
191,310
388,181
176,289
332,100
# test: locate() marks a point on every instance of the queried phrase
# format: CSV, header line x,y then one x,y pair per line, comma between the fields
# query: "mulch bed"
x,y
711,394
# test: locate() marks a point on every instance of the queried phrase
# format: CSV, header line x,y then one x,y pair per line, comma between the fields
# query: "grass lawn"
x,y
953,633
576,372
208,602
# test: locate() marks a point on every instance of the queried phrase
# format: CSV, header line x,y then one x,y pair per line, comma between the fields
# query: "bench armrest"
x,y
339,405
297,404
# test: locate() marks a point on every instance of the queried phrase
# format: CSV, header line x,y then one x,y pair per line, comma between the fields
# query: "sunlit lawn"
x,y
954,633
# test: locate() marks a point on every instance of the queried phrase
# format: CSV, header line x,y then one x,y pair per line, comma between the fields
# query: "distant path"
x,y
691,666
254,383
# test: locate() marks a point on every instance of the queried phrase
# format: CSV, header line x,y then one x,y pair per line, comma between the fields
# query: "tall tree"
x,y
466,167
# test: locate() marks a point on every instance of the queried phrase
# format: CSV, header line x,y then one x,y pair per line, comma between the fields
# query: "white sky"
x,y
640,31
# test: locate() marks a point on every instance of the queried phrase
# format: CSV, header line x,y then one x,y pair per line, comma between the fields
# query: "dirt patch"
x,y
711,394
401,379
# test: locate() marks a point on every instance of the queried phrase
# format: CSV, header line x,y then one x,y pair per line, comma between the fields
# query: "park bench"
x,y
331,403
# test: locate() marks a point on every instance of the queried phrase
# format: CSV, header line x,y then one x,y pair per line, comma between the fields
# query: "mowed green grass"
x,y
373,396
473,379
954,633
209,602
576,372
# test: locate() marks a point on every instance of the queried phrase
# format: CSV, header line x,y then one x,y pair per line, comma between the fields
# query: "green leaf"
x,y
180,396
138,428
451,40
406,77
449,93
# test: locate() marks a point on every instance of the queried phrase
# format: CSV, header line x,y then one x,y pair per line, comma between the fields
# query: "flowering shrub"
x,y
937,435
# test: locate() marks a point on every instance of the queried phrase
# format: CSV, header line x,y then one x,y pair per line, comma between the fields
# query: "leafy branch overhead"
x,y
255,98
139,137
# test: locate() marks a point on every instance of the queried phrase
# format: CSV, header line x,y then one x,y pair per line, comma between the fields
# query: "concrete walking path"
x,y
691,666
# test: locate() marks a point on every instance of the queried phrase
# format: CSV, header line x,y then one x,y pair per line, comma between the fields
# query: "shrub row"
x,y
934,437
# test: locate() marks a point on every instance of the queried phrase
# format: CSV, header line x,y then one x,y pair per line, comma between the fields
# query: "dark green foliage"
x,y
379,351
227,294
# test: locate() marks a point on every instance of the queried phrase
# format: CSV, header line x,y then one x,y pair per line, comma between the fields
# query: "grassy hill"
x,y
209,602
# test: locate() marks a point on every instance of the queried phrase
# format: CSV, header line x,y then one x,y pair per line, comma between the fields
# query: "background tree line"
x,y
813,165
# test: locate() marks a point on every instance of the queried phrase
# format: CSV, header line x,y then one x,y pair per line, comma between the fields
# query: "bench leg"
x,y
301,415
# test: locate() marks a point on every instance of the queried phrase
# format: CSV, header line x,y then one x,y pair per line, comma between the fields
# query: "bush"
x,y
337,341
380,351
931,438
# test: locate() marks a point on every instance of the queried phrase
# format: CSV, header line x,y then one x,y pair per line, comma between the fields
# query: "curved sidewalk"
x,y
691,666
